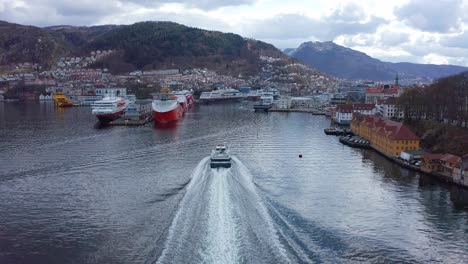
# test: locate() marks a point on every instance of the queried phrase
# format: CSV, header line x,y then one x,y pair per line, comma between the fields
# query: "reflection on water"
x,y
72,192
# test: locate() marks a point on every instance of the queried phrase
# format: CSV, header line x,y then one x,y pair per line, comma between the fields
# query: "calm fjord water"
x,y
71,192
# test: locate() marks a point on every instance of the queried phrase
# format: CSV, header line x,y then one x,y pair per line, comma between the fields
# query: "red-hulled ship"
x,y
188,96
167,108
109,108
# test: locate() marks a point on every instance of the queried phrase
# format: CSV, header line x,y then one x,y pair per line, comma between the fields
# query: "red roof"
x,y
390,101
432,156
363,106
347,108
384,88
450,158
392,129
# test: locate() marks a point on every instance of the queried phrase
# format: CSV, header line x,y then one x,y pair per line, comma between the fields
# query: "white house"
x,y
388,108
344,113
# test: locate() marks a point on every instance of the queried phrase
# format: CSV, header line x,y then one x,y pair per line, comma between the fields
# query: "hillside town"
x,y
75,77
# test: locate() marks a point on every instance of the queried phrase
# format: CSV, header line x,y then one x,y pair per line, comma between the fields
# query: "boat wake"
x,y
222,219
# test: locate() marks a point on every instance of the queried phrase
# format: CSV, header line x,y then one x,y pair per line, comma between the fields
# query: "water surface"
x,y
74,192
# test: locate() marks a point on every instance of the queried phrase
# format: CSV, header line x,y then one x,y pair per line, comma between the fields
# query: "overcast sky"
x,y
422,31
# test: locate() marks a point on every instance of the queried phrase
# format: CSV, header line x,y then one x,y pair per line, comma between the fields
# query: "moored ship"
x,y
109,108
61,100
221,95
188,96
257,94
266,102
167,107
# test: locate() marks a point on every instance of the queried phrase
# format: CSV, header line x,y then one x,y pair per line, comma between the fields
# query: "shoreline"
x,y
403,164
298,110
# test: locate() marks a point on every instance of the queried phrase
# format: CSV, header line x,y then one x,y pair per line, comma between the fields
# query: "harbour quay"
x,y
396,142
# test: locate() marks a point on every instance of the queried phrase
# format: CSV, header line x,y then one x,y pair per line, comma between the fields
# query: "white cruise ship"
x,y
221,95
109,108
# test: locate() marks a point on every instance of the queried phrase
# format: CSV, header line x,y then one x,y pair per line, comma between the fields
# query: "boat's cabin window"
x,y
220,149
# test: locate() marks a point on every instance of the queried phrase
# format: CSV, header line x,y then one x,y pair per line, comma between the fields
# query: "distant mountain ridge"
x,y
143,45
346,63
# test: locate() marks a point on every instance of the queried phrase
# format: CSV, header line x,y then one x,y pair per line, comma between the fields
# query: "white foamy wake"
x,y
222,219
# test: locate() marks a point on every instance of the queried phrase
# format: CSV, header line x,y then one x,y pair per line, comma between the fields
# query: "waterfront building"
x,y
386,136
382,92
464,170
88,99
387,108
344,113
449,165
338,99
283,103
304,102
431,163
138,110
114,91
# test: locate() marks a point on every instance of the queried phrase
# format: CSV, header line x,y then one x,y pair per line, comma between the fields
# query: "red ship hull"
x,y
189,101
167,117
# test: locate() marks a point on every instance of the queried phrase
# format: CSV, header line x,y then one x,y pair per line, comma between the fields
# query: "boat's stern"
x,y
220,163
220,157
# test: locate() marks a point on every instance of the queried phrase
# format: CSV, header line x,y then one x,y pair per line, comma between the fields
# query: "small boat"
x,y
220,157
330,131
335,131
356,142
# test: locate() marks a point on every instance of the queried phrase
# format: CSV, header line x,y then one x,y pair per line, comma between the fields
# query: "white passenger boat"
x,y
220,157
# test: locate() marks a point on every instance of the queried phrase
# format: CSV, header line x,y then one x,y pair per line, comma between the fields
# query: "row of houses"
x,y
386,108
448,165
394,139
344,113
287,102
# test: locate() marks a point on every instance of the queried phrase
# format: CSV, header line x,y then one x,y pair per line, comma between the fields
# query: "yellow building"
x,y
387,136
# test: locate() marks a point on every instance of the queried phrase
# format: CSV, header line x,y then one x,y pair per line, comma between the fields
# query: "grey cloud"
x,y
55,12
213,4
390,38
401,58
460,41
347,13
359,40
85,8
87,12
201,4
422,48
299,26
432,16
